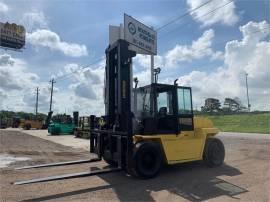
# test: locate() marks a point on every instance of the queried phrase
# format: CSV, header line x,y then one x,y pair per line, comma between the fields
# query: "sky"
x,y
210,49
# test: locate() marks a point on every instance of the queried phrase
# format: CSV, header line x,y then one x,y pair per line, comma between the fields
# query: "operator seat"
x,y
162,111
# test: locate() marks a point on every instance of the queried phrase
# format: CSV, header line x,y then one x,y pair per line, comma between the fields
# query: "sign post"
x,y
152,68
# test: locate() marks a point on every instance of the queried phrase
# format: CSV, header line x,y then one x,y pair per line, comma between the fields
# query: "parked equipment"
x,y
145,127
29,124
16,121
83,128
62,124
3,123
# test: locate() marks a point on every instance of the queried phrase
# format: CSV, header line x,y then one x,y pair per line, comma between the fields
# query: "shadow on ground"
x,y
192,181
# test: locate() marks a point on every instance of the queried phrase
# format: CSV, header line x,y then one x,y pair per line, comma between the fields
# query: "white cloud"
x,y
144,60
85,93
3,8
143,73
85,90
251,55
34,20
13,75
29,100
89,84
199,48
143,77
150,20
47,38
71,68
18,85
225,15
83,74
86,83
6,59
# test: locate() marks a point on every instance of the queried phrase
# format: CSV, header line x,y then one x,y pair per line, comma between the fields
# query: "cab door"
x,y
165,109
190,144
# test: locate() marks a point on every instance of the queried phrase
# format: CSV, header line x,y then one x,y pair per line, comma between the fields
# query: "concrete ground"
x,y
245,175
66,140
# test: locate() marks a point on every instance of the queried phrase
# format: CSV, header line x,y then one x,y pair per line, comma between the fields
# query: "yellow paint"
x,y
186,146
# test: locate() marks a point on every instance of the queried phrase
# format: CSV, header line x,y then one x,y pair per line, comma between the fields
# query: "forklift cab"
x,y
162,109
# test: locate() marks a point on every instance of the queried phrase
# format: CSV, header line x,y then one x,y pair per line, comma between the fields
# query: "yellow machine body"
x,y
185,146
28,124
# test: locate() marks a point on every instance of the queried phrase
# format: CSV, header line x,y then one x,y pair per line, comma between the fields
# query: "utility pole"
x,y
247,92
152,65
37,100
52,83
152,68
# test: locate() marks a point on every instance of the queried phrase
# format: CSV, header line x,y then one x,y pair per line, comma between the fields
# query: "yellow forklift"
x,y
30,124
82,130
143,128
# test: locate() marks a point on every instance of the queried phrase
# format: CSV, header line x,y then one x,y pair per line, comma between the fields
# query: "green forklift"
x,y
63,124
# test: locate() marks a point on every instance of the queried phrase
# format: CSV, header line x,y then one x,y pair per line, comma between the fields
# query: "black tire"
x,y
148,159
55,131
214,152
107,157
27,126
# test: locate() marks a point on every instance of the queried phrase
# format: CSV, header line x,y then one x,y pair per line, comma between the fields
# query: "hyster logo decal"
x,y
131,28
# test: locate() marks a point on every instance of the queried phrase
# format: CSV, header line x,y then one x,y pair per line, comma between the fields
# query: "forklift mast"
x,y
118,86
114,140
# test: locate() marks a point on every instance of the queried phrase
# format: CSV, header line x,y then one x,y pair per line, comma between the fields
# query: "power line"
x,y
207,13
222,42
65,76
183,15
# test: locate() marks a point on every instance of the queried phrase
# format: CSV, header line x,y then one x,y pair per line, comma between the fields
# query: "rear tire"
x,y
148,159
214,152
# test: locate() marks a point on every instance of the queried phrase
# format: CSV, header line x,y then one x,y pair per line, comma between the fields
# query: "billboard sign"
x,y
140,35
12,35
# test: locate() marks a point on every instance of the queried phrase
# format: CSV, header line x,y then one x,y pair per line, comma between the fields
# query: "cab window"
x,y
164,103
184,101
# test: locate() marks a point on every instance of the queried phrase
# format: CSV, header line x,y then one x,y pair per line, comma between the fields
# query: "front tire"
x,y
27,126
148,159
55,131
214,152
